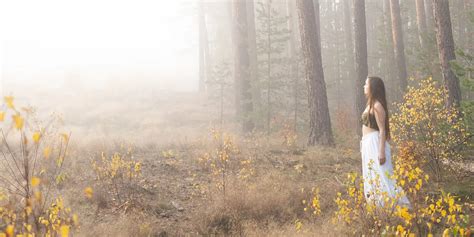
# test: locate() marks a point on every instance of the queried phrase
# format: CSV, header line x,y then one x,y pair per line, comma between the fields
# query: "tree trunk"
x,y
421,21
269,66
461,20
320,123
361,64
242,64
233,31
398,46
430,23
293,55
468,4
349,49
318,25
390,53
202,41
253,56
444,38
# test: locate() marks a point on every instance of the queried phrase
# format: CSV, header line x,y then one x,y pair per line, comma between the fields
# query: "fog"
x,y
236,117
110,69
49,43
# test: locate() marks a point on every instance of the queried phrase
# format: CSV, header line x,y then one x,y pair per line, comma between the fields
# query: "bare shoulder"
x,y
378,107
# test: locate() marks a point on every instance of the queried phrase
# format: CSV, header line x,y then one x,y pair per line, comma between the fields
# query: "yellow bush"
x,y
438,133
425,215
225,160
117,173
290,137
28,175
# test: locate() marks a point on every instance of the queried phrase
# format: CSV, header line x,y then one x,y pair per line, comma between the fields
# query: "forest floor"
x,y
176,195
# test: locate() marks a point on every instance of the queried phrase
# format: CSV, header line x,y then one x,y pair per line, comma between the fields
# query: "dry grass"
x,y
175,196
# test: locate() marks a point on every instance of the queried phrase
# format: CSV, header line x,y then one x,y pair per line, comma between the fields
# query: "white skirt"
x,y
377,178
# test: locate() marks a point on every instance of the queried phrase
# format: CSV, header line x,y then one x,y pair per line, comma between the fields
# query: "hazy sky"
x,y
47,36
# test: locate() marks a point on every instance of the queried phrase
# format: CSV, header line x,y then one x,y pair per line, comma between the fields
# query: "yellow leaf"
x,y
36,137
9,101
35,181
443,213
65,137
2,116
75,219
88,192
47,152
18,121
38,196
64,231
446,233
9,230
137,167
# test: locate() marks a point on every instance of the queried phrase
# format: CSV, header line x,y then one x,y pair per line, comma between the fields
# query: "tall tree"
x,y
242,64
389,52
361,64
349,50
320,123
421,21
399,46
430,23
468,4
349,44
202,46
317,15
444,39
293,55
253,55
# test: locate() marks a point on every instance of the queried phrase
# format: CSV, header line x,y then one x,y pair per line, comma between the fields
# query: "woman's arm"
x,y
379,112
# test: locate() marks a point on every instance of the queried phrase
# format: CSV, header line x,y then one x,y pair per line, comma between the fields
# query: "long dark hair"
x,y
377,93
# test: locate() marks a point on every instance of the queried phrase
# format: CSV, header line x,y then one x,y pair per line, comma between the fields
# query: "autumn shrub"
x,y
290,137
225,159
439,133
118,175
33,154
427,214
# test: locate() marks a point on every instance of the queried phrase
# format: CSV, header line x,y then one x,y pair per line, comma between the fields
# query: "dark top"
x,y
369,121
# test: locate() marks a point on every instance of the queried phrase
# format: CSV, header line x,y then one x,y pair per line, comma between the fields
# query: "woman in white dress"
x,y
377,167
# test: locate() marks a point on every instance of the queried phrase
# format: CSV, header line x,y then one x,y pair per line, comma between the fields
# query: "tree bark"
x,y
399,46
349,50
444,39
361,63
390,53
421,21
233,31
320,123
468,4
430,23
318,26
202,48
292,52
242,64
253,55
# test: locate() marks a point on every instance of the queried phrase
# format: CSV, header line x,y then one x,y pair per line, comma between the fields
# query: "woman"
x,y
376,156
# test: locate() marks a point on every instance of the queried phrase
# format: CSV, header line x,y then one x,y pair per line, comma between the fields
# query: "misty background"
x,y
98,63
116,69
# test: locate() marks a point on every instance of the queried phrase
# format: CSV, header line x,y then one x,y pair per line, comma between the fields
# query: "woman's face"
x,y
366,87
